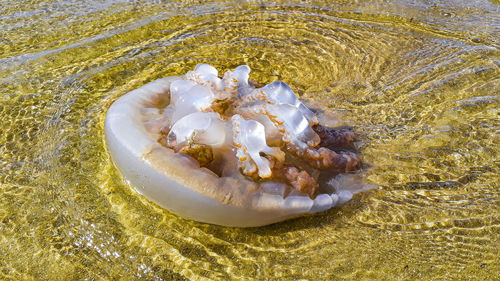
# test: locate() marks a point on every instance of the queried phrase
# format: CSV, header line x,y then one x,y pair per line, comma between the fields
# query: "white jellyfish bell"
x,y
198,145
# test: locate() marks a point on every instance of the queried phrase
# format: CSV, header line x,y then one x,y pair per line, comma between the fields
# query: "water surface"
x,y
419,82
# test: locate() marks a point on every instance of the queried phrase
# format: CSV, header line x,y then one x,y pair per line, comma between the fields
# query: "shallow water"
x,y
418,81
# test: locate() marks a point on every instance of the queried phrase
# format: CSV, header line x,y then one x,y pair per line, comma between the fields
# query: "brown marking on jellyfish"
x,y
256,95
222,106
297,179
200,152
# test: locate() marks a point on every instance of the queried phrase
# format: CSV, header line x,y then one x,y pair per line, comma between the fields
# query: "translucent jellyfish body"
x,y
215,149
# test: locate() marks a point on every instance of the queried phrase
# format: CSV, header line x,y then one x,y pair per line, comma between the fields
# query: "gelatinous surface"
x,y
417,80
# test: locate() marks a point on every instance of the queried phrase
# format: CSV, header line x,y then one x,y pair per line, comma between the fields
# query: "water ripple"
x,y
416,81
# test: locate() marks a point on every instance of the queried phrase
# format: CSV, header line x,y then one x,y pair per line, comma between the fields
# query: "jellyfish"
x,y
215,149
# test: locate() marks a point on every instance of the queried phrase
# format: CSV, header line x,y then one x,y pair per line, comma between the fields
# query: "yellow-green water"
x,y
419,82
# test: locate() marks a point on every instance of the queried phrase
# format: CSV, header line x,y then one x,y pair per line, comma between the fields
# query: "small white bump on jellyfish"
x,y
205,74
249,138
298,202
195,99
267,201
199,127
322,203
279,92
344,196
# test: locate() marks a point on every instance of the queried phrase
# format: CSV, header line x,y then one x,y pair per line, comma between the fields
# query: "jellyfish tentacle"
x,y
298,179
249,140
236,81
335,139
247,111
343,161
230,83
326,159
291,123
